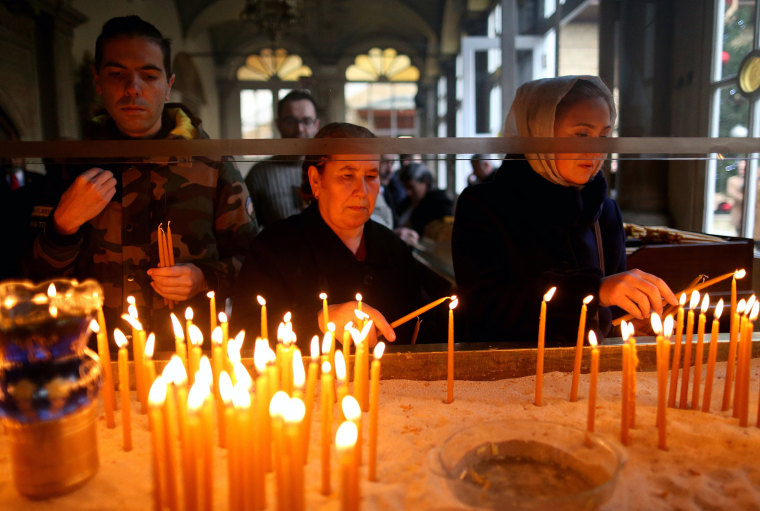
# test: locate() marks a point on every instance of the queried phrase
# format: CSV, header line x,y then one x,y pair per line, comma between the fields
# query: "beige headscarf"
x,y
532,115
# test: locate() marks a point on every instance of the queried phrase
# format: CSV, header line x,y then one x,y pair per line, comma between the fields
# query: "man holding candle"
x,y
105,225
334,247
544,222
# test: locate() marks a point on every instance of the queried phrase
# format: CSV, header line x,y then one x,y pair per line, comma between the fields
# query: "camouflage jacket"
x,y
211,224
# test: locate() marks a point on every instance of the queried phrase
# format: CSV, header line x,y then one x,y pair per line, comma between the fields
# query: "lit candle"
x,y
744,414
225,331
359,302
171,422
325,314
593,378
311,386
731,360
738,274
361,364
205,380
340,376
700,355
634,363
188,321
178,376
196,343
579,348
138,346
374,398
347,345
676,352
263,303
105,361
450,358
400,321
293,417
662,365
625,421
156,400
149,366
194,446
693,302
277,407
263,396
212,309
226,391
741,352
712,355
327,412
126,420
541,341
179,339
241,401
217,366
299,375
345,443
352,412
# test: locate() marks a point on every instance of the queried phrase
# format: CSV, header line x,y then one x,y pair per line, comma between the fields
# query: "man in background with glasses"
x,y
274,183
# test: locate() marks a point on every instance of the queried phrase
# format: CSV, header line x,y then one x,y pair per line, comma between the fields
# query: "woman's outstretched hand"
x,y
342,313
636,292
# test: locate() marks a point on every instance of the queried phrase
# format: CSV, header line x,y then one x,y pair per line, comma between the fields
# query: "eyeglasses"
x,y
307,122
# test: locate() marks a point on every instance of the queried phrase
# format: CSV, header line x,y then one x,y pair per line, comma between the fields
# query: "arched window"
x,y
380,92
267,77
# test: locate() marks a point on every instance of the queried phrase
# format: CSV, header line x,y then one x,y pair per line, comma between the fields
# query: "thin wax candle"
x,y
541,341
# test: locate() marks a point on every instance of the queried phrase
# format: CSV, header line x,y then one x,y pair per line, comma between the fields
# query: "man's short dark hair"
x,y
296,95
132,26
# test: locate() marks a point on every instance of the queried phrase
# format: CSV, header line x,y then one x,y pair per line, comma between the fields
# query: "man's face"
x,y
298,120
134,85
386,168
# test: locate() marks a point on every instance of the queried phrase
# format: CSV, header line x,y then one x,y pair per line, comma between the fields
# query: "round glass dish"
x,y
530,465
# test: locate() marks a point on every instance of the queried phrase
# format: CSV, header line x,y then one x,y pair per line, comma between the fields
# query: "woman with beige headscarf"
x,y
546,222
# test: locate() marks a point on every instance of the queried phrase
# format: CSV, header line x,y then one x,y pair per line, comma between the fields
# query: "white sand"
x,y
711,463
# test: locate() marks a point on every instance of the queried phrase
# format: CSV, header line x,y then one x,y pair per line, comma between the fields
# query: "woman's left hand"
x,y
342,313
636,292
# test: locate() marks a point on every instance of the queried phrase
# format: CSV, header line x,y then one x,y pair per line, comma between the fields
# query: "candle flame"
x,y
351,409
719,309
40,299
175,371
150,345
331,327
241,398
340,367
379,350
453,297
694,300
346,436
196,336
705,304
740,274
549,294
261,300
9,302
327,341
196,397
323,296
225,387
204,373
347,327
222,317
119,338
741,306
278,404
157,393
361,314
241,375
630,331
453,304
260,354
754,313
130,300
656,323
286,318
682,300
233,350
53,310
189,314
299,374
94,326
132,310
314,348
592,338
358,297
667,329
360,337
624,332
326,367
179,332
51,290
750,304
216,336
133,322
210,294
294,411
588,299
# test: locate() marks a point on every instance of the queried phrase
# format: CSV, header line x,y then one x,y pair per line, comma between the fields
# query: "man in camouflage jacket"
x,y
105,225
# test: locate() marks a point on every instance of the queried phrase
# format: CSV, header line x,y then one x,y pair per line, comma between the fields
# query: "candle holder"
x,y
49,381
529,465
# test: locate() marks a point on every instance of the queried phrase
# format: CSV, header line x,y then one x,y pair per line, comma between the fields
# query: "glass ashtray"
x,y
530,465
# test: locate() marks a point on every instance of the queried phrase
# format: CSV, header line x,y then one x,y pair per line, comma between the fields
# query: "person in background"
x,y
544,222
274,183
424,202
482,169
334,247
105,224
